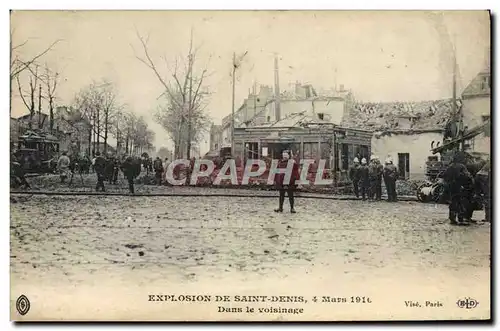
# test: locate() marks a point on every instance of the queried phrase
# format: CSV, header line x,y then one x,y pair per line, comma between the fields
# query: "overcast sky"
x,y
380,56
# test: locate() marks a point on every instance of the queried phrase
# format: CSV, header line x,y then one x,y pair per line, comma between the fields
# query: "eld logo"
x,y
467,303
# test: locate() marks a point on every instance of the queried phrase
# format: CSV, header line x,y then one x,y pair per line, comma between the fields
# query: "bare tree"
x,y
50,79
28,97
18,65
185,98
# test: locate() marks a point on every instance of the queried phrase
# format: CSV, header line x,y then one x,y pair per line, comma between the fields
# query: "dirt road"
x,y
215,243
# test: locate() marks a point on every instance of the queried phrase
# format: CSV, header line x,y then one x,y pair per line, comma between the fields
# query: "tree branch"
x,y
26,64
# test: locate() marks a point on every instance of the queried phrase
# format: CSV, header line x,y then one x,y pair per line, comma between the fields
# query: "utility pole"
x,y
277,89
190,105
232,108
454,98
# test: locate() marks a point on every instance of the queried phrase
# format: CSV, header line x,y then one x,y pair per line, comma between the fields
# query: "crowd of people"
x,y
367,178
466,183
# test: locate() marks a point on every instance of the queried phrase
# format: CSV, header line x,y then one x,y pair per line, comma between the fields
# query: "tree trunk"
x,y
106,132
32,109
126,143
51,114
93,132
90,142
98,129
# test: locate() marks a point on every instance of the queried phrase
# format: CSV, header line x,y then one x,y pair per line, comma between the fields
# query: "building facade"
x,y
476,100
403,131
215,137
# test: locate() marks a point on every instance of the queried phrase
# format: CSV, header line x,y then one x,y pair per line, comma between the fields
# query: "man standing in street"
x,y
459,184
286,187
100,170
354,176
130,171
158,167
63,166
376,170
364,179
390,176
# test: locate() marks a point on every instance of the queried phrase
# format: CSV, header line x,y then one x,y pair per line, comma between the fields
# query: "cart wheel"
x,y
420,196
438,193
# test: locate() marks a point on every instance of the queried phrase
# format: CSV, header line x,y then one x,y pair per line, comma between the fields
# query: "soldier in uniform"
x,y
354,176
390,177
459,184
286,187
100,170
364,179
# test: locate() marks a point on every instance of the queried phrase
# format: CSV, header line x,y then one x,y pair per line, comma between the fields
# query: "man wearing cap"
x,y
354,176
390,176
364,179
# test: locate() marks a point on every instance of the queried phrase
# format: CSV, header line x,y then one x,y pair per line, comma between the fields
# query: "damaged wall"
x,y
417,145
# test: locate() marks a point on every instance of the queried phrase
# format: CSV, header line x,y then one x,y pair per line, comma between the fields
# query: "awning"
x,y
468,135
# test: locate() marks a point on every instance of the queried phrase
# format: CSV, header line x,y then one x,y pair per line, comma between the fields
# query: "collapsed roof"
x,y
386,116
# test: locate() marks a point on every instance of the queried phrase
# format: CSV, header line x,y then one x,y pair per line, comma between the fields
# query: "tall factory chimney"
x,y
277,89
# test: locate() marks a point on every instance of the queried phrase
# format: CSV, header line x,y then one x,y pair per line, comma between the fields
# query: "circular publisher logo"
x,y
22,305
467,303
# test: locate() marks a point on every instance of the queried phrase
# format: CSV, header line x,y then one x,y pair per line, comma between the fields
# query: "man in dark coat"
x,y
131,169
459,185
354,176
100,169
376,170
390,177
364,179
286,187
158,167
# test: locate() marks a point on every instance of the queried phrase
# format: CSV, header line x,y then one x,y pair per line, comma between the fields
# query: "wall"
x,y
417,145
473,109
333,109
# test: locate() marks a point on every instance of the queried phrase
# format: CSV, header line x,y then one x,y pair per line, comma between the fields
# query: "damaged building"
x,y
403,131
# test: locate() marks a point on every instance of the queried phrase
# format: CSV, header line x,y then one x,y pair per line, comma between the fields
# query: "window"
x,y
269,118
486,83
321,116
404,165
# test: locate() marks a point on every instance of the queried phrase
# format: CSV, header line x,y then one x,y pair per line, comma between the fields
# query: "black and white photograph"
x,y
252,165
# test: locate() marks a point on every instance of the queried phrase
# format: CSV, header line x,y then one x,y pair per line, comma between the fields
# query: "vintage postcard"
x,y
250,165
